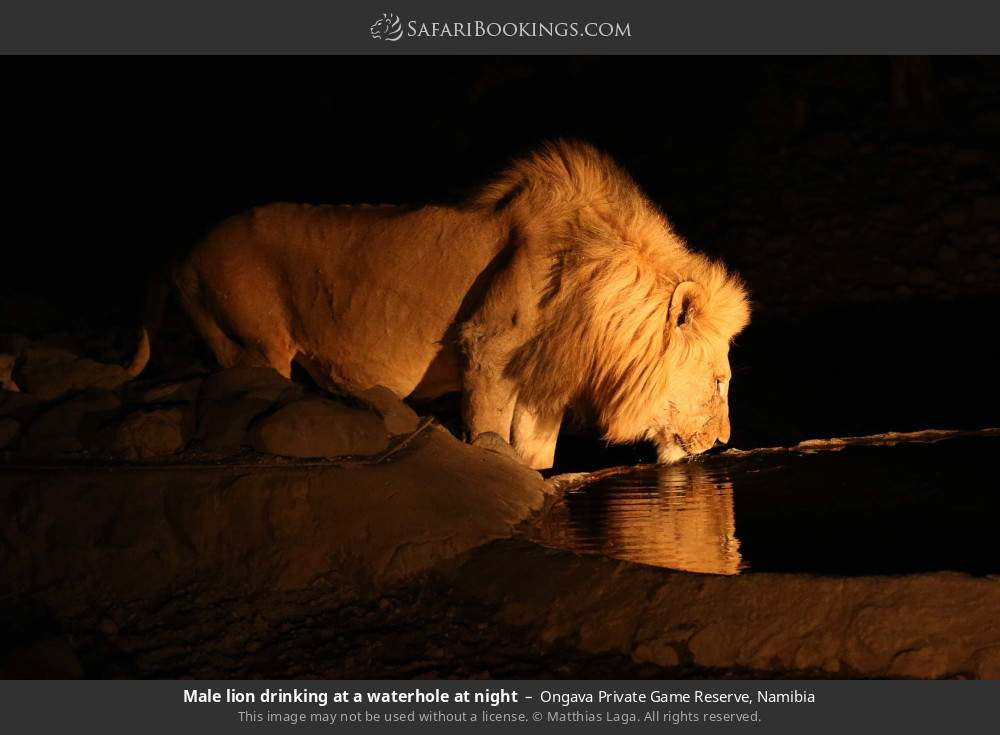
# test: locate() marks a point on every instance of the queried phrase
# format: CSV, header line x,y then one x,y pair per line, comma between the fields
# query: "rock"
x,y
988,663
915,625
658,653
711,647
6,373
920,663
317,427
68,427
50,373
172,391
230,400
122,536
9,429
239,381
495,443
18,405
398,417
151,433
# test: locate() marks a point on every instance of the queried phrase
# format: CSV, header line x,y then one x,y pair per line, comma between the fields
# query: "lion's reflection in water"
x,y
679,516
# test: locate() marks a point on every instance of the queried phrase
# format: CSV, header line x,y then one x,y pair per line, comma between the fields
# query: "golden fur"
x,y
602,335
557,283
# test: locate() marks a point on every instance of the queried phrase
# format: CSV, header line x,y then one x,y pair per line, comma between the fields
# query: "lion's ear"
x,y
686,301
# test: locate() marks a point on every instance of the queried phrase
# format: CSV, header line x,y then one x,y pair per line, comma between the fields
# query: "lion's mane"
x,y
603,332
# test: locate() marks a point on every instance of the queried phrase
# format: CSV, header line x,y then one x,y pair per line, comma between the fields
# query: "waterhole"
x,y
890,504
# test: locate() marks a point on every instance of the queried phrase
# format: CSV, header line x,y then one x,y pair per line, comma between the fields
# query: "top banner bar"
x,y
513,27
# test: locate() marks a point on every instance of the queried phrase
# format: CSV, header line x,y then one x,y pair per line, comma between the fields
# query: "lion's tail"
x,y
156,301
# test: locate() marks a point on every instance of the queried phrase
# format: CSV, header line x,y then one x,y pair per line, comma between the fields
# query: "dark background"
x,y
859,197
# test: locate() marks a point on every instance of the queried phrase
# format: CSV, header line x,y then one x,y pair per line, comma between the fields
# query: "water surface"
x,y
838,506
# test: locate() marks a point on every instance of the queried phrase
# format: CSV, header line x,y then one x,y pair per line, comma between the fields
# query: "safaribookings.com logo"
x,y
390,28
387,28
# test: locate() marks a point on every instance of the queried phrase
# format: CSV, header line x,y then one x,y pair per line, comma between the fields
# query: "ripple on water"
x,y
846,507
680,517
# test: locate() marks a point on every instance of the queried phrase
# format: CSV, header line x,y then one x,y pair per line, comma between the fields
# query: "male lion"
x,y
559,283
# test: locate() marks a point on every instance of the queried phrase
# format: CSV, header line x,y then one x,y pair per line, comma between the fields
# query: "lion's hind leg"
x,y
231,350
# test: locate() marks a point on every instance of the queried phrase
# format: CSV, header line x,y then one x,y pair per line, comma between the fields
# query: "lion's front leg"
x,y
488,403
499,326
534,436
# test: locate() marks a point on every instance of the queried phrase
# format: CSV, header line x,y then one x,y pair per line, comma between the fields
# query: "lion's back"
x,y
373,290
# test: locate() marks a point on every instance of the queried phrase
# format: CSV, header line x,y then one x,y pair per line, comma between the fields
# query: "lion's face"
x,y
693,411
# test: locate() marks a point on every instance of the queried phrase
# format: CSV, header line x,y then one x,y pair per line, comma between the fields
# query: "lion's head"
x,y
645,349
641,337
692,412
632,324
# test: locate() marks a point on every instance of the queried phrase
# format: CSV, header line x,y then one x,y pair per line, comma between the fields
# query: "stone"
x,y
230,400
988,663
15,404
122,536
50,373
7,373
317,427
658,653
151,433
237,381
171,391
920,663
398,417
711,647
68,427
917,625
9,429
495,443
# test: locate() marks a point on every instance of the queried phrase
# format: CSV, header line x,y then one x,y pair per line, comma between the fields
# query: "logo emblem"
x,y
387,28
